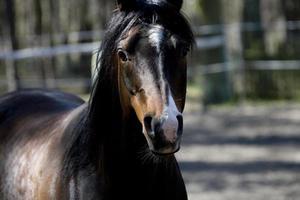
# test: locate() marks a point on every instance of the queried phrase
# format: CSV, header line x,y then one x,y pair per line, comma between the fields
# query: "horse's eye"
x,y
123,55
184,51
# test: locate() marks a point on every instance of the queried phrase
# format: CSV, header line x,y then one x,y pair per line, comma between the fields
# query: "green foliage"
x,y
258,84
217,88
211,11
273,85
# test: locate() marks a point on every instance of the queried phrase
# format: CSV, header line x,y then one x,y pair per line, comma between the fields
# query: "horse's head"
x,y
152,80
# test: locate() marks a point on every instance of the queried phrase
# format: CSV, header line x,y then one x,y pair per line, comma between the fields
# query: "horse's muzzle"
x,y
164,134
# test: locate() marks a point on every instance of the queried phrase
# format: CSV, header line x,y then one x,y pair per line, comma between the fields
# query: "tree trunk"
x,y
13,82
232,16
274,25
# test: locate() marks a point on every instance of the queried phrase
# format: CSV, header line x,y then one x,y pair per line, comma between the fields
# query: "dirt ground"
x,y
242,152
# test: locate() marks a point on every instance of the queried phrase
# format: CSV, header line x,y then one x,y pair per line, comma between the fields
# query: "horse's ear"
x,y
125,4
176,3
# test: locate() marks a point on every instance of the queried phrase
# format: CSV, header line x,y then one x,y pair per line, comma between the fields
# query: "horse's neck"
x,y
148,178
118,162
134,169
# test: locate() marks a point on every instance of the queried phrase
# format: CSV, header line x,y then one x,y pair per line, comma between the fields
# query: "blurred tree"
x,y
232,16
12,44
211,11
291,9
274,25
43,23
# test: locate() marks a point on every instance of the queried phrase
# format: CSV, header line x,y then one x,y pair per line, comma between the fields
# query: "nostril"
x,y
157,128
180,124
147,124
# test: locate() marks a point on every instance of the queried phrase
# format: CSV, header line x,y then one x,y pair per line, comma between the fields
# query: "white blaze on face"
x,y
156,36
169,117
170,125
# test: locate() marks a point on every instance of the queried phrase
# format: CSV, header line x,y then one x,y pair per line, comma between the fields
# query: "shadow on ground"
x,y
244,152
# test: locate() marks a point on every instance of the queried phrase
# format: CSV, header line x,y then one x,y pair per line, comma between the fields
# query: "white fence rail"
x,y
272,65
39,52
214,40
207,37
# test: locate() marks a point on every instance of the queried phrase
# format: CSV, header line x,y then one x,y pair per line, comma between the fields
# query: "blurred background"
x,y
242,118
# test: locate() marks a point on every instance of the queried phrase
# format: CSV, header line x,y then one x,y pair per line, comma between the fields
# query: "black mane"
x,y
102,122
160,12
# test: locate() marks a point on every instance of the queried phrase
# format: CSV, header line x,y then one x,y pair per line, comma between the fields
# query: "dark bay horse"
x,y
119,145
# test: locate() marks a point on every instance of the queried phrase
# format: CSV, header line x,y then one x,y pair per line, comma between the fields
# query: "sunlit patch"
x,y
30,169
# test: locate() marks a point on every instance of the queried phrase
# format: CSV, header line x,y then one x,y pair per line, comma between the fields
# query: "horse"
x,y
121,144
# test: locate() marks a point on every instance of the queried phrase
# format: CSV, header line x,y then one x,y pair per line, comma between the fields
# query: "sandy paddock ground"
x,y
242,152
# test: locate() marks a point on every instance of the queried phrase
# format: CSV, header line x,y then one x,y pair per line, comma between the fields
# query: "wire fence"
x,y
207,37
